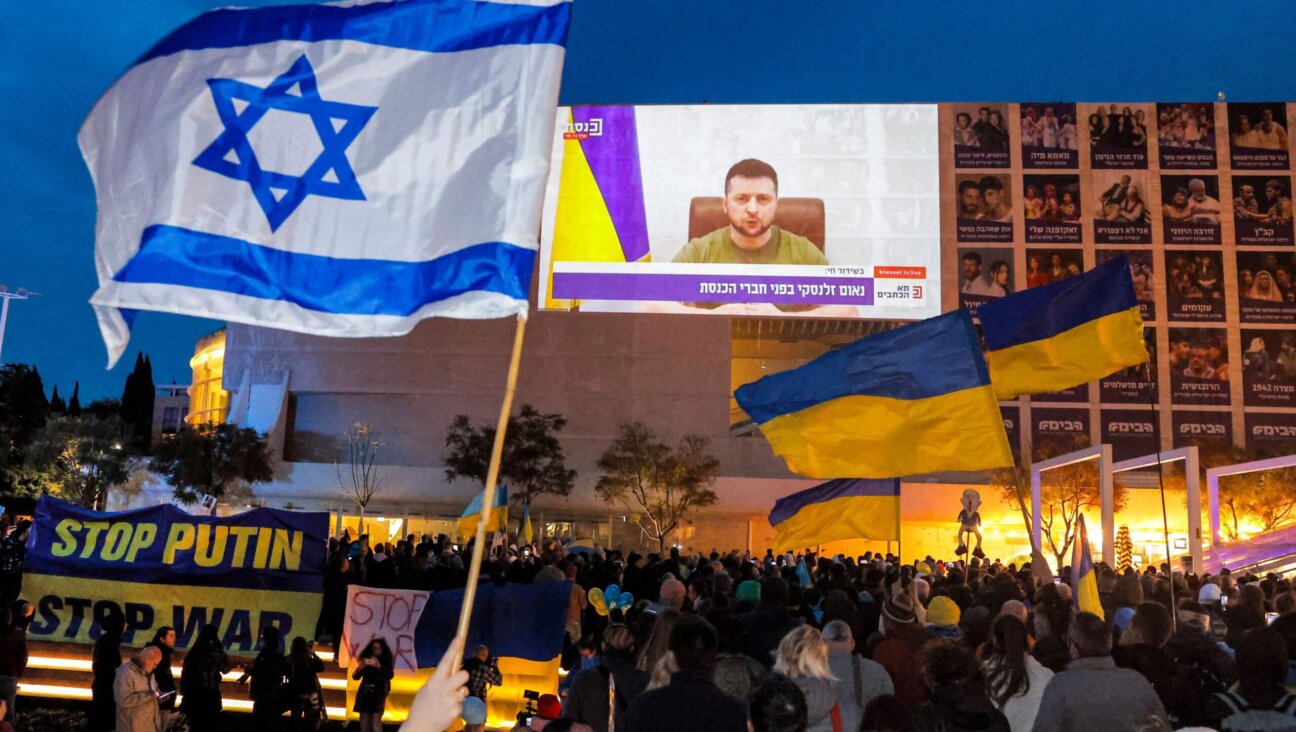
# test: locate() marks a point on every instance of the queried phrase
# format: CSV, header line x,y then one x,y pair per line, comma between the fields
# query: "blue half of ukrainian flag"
x,y
1064,334
913,400
839,509
496,519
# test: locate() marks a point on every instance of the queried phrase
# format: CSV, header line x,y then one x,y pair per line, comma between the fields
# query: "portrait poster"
x,y
1049,135
981,138
1130,385
1144,276
1191,209
1186,136
1121,212
1195,286
1271,432
984,208
1053,208
985,274
1269,368
824,211
1199,367
1118,135
1131,432
1267,286
1262,210
1193,427
1258,136
1058,428
1051,265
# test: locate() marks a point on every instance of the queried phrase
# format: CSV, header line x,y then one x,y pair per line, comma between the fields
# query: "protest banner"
x,y
162,566
392,615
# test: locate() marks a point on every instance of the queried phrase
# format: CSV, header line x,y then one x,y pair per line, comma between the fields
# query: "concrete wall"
x,y
598,370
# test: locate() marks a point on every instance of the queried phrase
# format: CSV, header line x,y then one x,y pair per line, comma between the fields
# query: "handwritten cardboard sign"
x,y
391,615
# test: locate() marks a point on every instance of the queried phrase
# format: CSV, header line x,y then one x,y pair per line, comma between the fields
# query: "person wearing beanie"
x,y
1209,594
749,592
943,618
902,638
769,621
1208,667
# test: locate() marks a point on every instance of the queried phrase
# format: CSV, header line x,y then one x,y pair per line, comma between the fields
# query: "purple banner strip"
x,y
714,288
613,157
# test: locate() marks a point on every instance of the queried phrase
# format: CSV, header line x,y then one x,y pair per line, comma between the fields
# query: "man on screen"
x,y
751,202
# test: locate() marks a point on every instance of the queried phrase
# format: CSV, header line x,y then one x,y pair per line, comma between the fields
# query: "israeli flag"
x,y
344,169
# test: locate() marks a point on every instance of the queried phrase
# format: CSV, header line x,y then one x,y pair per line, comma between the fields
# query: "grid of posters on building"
x,y
1198,195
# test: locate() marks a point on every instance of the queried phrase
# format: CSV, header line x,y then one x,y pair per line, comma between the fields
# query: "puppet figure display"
x,y
970,523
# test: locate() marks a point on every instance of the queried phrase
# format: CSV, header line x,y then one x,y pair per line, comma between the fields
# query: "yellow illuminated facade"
x,y
208,400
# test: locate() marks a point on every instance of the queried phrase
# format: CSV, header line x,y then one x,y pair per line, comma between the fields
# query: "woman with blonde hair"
x,y
656,647
802,656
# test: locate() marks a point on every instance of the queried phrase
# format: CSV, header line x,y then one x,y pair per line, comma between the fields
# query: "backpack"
x,y
1245,718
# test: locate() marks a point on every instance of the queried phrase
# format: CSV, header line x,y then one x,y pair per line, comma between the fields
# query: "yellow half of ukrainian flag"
x,y
1064,334
913,400
838,509
1084,581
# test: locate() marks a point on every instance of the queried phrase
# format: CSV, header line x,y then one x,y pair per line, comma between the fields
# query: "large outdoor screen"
x,y
814,211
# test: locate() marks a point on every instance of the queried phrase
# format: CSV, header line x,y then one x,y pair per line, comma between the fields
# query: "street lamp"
x,y
22,293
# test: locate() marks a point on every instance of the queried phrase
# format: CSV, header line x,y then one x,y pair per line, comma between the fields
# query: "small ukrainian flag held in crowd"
x,y
528,533
839,509
913,400
1065,333
1084,581
341,169
496,519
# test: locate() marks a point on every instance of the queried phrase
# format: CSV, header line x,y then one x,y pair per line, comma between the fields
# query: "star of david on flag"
x,y
336,123
336,169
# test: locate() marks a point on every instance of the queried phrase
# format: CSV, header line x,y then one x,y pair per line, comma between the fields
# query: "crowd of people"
x,y
1186,126
1126,128
1044,202
1047,129
1196,276
773,643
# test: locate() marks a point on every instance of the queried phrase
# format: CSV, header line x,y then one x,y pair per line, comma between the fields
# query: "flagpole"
x,y
1165,522
488,494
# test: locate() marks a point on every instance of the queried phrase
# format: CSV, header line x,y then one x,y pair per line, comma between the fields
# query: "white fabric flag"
x,y
343,170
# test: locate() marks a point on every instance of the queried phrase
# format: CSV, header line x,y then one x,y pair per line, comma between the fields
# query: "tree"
x,y
533,462
25,411
81,459
656,483
1064,493
137,402
74,404
212,460
363,476
57,407
1266,499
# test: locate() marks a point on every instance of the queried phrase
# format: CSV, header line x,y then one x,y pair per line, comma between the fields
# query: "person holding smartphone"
x,y
136,693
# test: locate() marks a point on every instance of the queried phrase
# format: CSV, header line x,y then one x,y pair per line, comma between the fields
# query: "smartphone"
x,y
1057,580
1223,600
166,696
1270,617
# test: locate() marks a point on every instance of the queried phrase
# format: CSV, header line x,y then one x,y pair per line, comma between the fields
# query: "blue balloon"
x,y
612,591
625,599
474,711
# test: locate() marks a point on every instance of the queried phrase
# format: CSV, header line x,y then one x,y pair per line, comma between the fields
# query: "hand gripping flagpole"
x,y
488,495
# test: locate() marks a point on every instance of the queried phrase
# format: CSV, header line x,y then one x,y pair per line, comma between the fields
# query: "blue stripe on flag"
x,y
1049,310
435,26
171,255
474,506
930,358
787,506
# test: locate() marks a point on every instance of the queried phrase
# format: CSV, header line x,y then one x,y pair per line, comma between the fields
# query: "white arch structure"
x,y
1212,487
1106,472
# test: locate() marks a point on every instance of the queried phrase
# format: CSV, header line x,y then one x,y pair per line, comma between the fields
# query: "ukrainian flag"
x,y
528,533
913,400
496,519
838,509
1084,581
1064,334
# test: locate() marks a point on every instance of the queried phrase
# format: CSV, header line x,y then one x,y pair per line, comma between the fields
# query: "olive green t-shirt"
x,y
718,247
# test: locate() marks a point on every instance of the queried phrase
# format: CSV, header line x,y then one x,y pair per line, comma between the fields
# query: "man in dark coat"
x,y
690,703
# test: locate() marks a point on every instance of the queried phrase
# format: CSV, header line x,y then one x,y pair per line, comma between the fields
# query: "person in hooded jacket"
x,y
588,701
958,699
802,656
